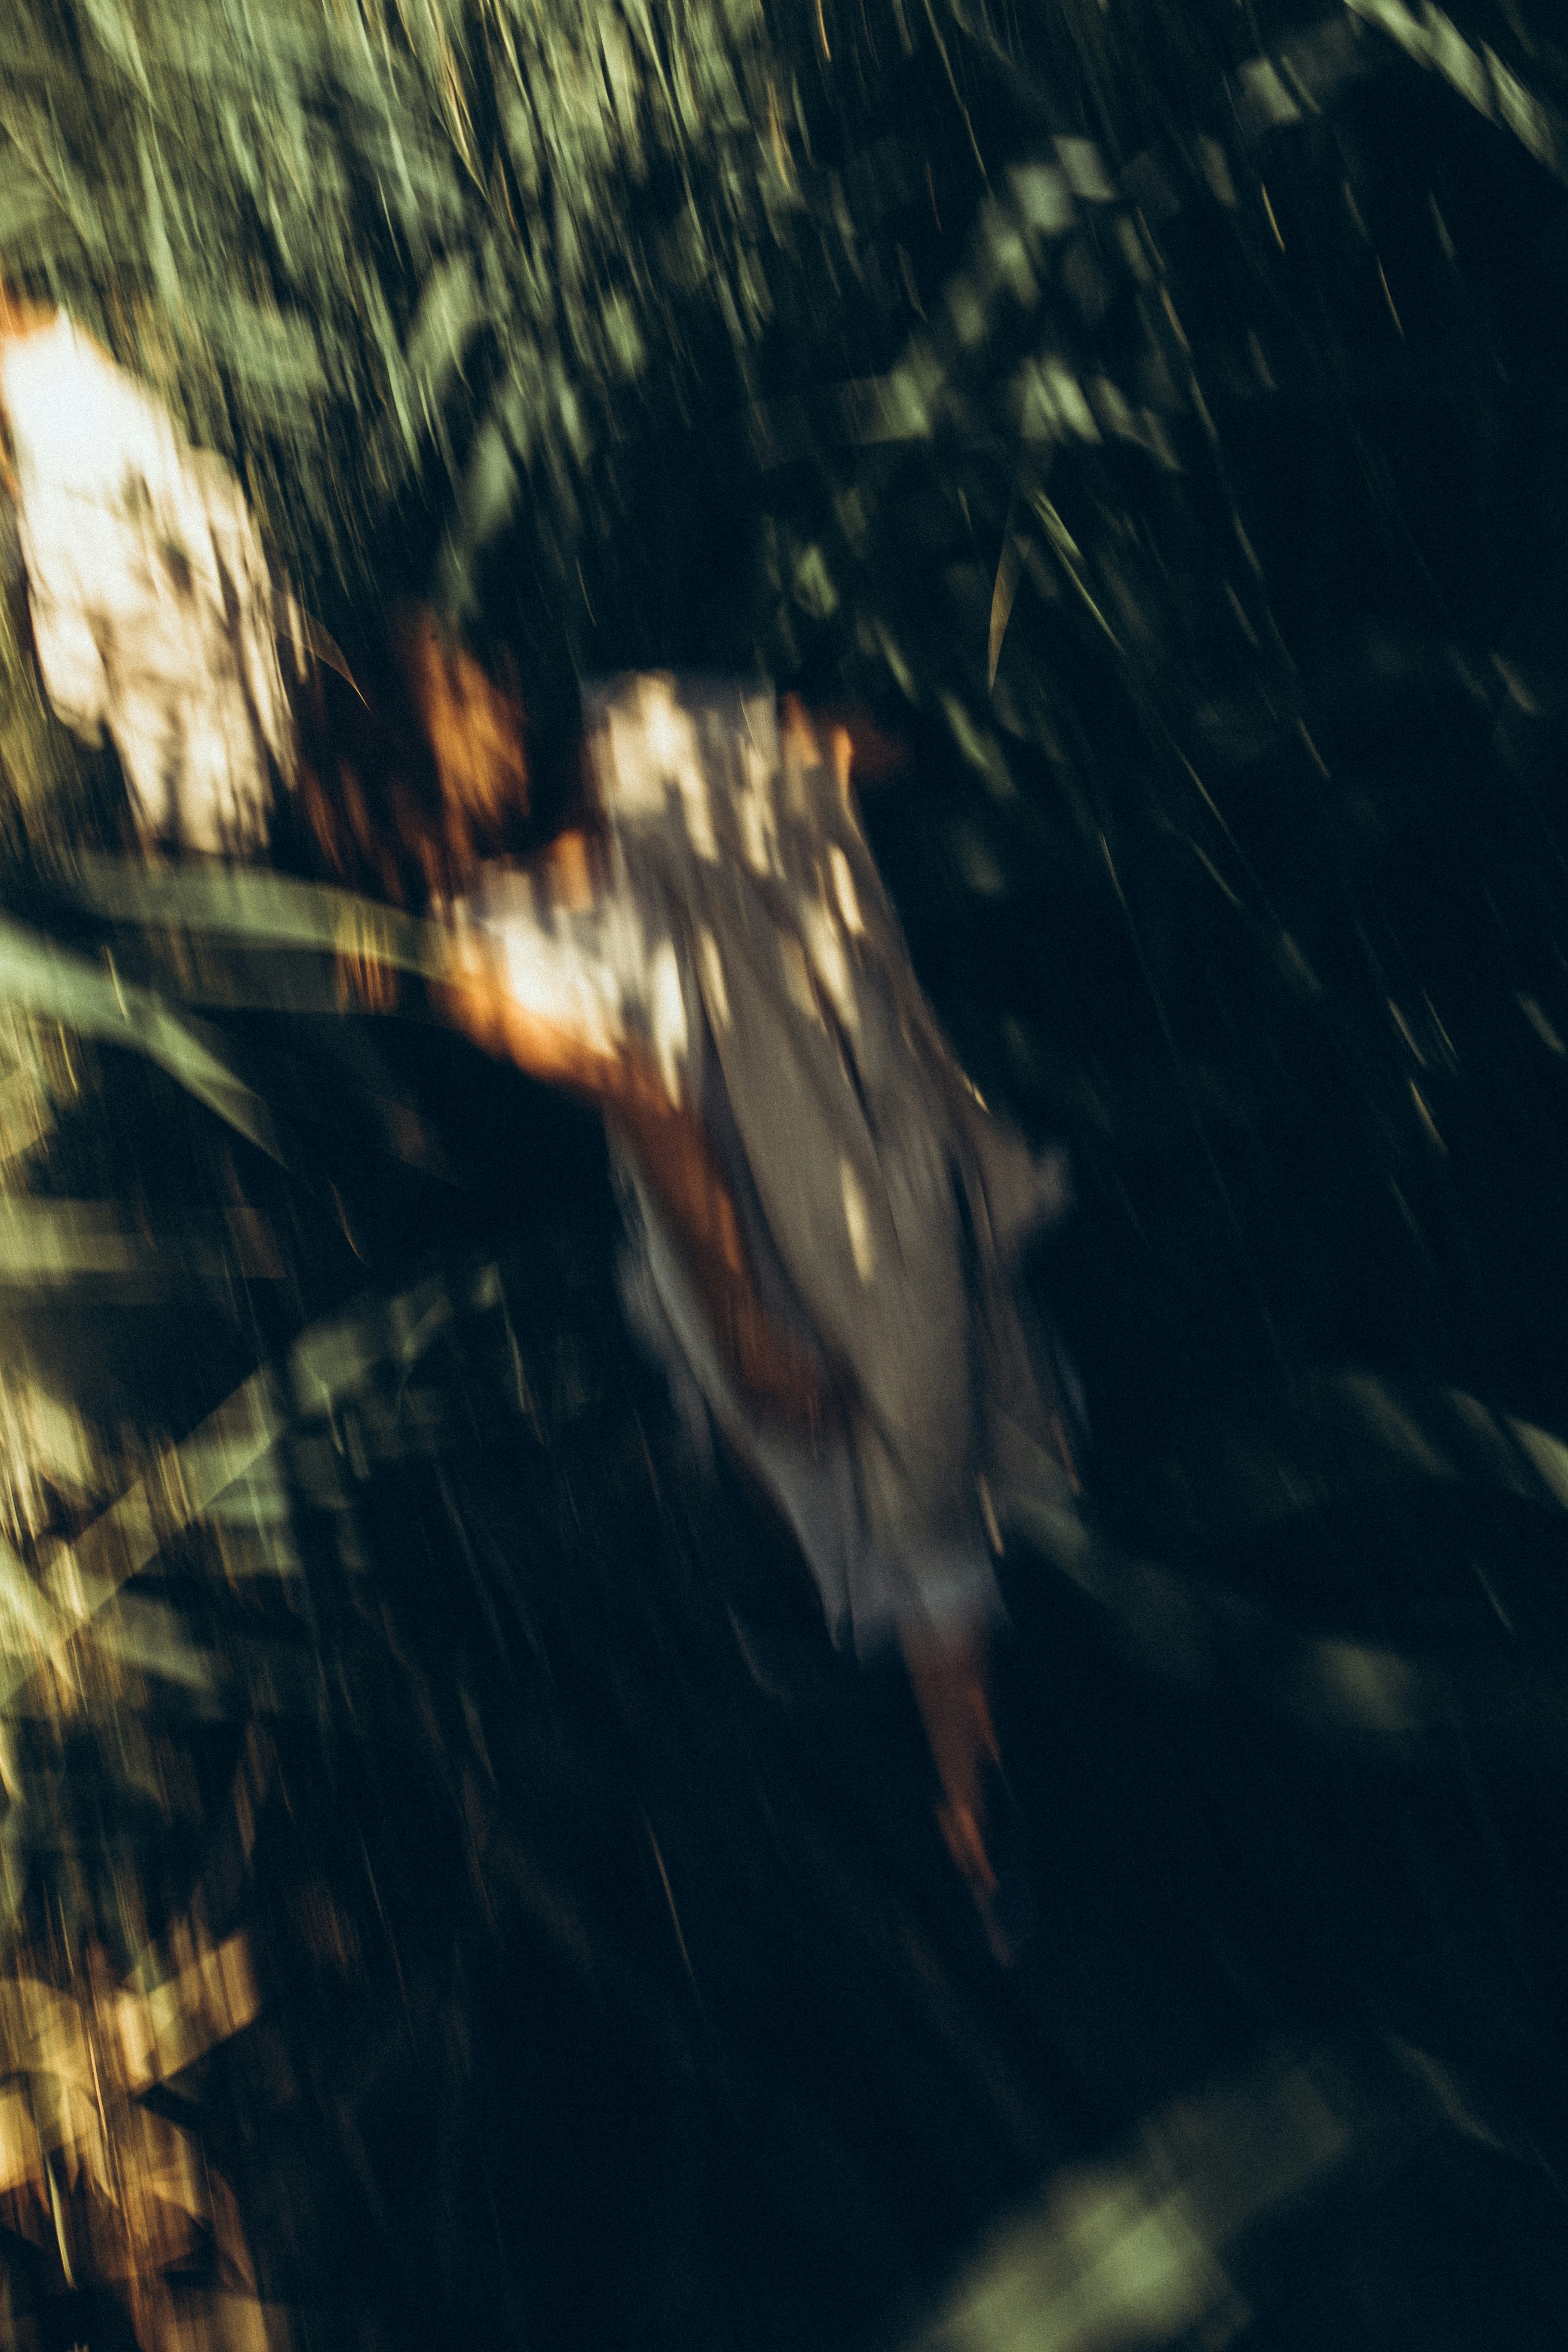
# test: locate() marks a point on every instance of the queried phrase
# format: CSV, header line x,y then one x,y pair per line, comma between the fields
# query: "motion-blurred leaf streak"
x,y
1084,168
1518,1456
1386,1416
1194,1633
48,980
270,909
164,2031
1548,1456
1490,87
1543,1028
982,751
1134,2252
1009,572
328,1362
78,2066
59,1240
1267,100
1429,1124
1212,870
84,1577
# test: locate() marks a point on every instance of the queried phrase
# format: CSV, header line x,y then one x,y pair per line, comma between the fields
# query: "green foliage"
x,y
312,226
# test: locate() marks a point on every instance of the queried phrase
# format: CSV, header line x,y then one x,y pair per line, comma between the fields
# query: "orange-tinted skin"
x,y
672,1147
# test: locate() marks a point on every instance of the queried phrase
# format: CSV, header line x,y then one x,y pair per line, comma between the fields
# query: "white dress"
x,y
740,935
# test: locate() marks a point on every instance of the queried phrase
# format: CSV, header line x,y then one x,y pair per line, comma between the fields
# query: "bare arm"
x,y
672,1149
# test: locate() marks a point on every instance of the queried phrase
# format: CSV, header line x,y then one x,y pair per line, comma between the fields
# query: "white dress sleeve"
x,y
154,613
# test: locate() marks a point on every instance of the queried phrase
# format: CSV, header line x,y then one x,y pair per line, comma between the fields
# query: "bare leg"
x,y
949,1674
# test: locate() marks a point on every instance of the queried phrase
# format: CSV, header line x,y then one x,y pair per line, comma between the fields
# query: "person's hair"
x,y
413,767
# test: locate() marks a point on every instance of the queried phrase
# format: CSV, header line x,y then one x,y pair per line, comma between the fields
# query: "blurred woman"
x,y
822,1217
